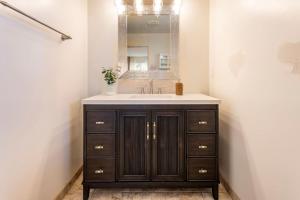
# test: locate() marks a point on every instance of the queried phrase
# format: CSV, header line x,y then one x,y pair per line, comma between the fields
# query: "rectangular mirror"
x,y
148,46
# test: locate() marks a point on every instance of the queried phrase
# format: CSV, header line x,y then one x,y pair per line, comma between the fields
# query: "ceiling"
x,y
148,2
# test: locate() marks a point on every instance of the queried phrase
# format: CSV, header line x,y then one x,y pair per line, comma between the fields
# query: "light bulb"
x,y
120,6
139,6
157,6
176,6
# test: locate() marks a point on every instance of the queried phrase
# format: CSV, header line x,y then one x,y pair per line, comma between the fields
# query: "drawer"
x,y
200,169
201,121
201,145
100,145
101,121
101,170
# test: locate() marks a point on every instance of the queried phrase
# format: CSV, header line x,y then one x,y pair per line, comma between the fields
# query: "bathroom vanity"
x,y
150,141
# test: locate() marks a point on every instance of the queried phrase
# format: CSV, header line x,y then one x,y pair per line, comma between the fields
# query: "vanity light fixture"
x,y
157,6
176,6
139,6
120,6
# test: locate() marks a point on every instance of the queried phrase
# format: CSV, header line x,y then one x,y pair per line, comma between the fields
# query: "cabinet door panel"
x,y
134,148
168,146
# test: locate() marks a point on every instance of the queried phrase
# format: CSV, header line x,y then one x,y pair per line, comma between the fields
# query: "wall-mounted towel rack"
x,y
63,36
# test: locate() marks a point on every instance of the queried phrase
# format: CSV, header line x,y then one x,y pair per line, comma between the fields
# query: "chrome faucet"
x,y
151,87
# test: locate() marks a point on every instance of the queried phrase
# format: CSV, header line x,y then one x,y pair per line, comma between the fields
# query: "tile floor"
x,y
144,194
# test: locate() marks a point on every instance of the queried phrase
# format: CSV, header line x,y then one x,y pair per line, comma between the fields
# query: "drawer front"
x,y
202,169
101,170
201,121
201,145
100,145
101,121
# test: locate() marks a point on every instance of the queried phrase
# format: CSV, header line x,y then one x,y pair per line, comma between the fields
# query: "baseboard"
x,y
66,189
233,195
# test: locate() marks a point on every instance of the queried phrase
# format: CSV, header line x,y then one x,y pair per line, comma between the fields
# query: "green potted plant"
x,y
111,76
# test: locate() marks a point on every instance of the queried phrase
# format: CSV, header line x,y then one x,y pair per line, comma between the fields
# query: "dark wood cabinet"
x,y
168,146
134,148
150,146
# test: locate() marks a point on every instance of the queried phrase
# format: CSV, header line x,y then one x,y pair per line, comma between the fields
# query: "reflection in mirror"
x,y
148,42
137,58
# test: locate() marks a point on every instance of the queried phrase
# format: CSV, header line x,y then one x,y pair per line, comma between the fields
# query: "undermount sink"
x,y
151,96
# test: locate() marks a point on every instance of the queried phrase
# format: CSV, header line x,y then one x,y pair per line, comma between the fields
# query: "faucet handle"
x,y
159,90
141,90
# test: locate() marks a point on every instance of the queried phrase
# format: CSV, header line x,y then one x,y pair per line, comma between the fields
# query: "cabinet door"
x,y
168,146
134,149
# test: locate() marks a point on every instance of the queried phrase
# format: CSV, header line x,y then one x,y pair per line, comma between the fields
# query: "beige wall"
x,y
193,51
255,55
41,81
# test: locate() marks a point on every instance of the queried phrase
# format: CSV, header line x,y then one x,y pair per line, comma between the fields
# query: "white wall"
x,y
194,46
102,42
193,50
255,55
41,81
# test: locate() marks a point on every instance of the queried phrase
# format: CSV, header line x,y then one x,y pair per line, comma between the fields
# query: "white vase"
x,y
111,89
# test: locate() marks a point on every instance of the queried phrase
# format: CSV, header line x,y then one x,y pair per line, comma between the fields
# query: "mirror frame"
x,y
173,72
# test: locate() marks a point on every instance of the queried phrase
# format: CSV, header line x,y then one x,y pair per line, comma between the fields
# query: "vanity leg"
x,y
86,192
215,191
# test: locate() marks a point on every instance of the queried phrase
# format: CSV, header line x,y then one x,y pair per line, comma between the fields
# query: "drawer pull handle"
x,y
202,171
99,147
148,131
99,123
99,171
202,147
202,122
154,130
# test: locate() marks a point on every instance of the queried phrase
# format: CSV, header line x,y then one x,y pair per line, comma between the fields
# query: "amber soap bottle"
x,y
179,88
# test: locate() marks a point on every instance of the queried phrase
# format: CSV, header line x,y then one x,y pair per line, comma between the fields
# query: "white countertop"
x,y
150,99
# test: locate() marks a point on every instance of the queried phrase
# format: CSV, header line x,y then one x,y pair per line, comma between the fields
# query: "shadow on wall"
x,y
66,138
289,53
236,63
234,155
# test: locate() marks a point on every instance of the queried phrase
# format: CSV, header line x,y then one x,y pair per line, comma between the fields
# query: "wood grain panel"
x,y
134,146
101,121
201,121
196,164
105,164
168,147
201,145
100,145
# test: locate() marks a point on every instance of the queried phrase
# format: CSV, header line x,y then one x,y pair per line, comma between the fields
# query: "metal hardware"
x,y
154,130
202,147
151,87
99,147
202,123
159,91
99,123
141,90
202,171
63,36
99,171
148,130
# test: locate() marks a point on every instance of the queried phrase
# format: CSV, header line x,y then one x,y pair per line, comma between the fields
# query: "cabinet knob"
x,y
99,147
202,171
202,122
99,171
99,123
202,147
